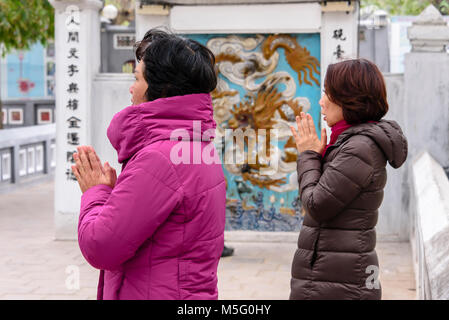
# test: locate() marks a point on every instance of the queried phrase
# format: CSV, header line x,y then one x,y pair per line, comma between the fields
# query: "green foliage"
x,y
25,22
407,7
444,6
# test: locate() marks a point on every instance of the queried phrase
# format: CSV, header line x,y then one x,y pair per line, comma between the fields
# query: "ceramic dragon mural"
x,y
264,82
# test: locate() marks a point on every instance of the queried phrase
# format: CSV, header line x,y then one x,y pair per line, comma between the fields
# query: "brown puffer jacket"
x,y
341,194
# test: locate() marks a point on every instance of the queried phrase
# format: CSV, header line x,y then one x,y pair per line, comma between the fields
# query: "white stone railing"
x,y
430,239
26,153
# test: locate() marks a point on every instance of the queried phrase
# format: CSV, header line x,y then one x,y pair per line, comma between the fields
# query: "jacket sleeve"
x,y
326,194
114,223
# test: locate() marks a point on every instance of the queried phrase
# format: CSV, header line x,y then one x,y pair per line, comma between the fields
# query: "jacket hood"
x,y
137,126
388,136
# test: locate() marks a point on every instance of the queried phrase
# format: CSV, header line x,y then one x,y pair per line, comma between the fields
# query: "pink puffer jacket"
x,y
159,233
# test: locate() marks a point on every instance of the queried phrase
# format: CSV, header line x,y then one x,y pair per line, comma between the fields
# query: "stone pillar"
x,y
427,86
339,33
77,46
339,37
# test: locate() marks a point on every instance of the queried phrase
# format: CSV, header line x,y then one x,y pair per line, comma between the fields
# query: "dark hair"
x,y
358,87
175,66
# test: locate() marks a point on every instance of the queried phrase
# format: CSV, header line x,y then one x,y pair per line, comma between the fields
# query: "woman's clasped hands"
x,y
89,171
306,137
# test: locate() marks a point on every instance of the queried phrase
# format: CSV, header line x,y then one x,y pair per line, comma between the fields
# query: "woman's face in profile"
x,y
140,86
332,112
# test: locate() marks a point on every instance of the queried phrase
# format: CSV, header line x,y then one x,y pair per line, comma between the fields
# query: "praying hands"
x,y
90,172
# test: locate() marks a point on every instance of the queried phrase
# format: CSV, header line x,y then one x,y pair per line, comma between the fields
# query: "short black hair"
x,y
174,65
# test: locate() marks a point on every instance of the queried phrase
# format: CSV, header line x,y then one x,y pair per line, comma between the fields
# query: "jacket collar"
x,y
387,134
137,126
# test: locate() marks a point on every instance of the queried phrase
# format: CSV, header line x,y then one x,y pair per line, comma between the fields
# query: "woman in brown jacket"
x,y
341,185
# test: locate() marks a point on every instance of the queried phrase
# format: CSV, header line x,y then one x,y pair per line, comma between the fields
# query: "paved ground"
x,y
34,266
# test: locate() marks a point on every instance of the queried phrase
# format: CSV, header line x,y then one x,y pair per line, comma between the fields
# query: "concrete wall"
x,y
419,103
431,237
112,95
426,104
421,108
30,111
394,219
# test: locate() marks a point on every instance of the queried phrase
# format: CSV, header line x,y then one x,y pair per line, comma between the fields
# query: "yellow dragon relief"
x,y
257,111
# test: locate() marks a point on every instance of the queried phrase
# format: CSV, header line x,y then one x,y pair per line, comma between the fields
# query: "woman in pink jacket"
x,y
157,231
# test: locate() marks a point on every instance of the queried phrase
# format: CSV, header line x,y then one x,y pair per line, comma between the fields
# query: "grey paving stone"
x,y
33,265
